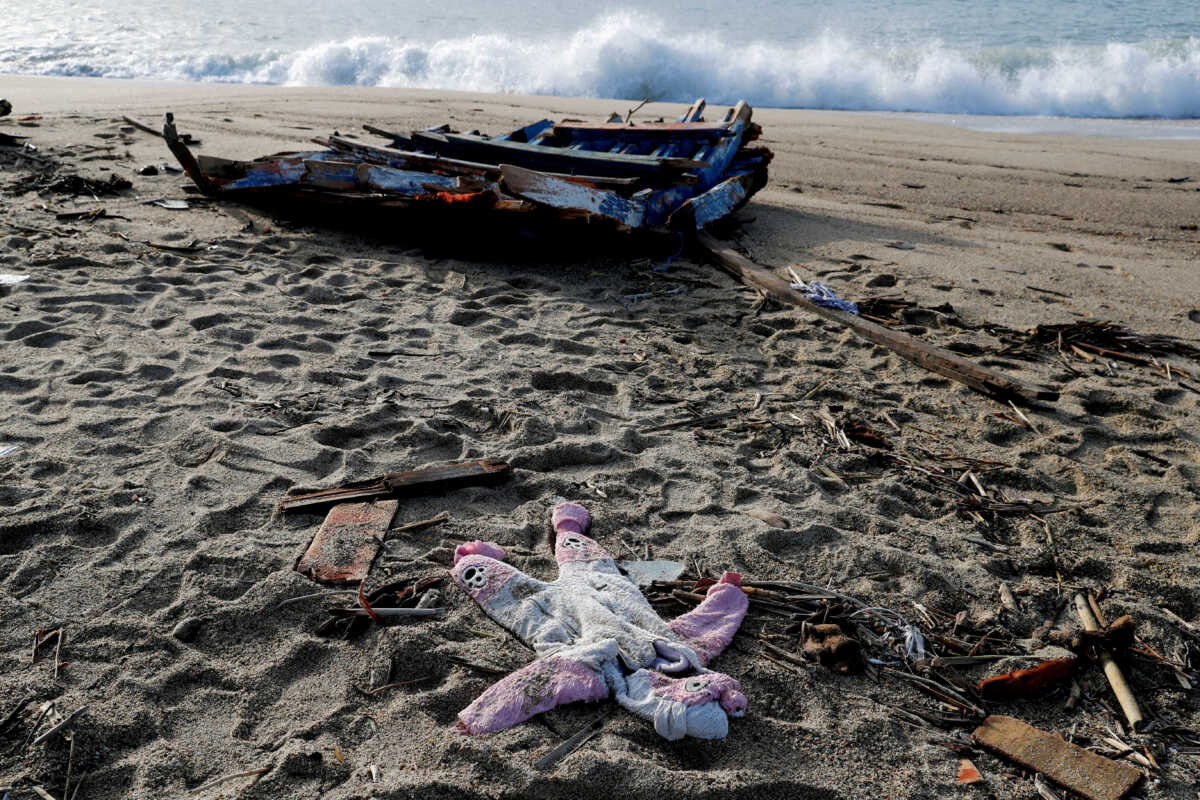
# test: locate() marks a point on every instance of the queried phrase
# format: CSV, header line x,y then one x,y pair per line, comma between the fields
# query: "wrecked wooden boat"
x,y
678,176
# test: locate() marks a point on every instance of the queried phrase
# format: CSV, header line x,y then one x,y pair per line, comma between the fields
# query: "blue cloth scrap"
x,y
820,294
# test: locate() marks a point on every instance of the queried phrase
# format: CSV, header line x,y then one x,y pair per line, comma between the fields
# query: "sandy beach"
x,y
169,375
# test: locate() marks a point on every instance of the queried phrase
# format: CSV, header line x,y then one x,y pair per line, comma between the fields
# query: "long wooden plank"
x,y
443,165
935,359
553,159
700,131
430,479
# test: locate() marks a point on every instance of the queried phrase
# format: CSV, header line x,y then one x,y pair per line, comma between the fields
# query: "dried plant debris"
x,y
402,598
51,180
1105,338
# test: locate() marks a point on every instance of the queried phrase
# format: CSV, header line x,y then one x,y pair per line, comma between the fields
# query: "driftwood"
x,y
910,348
429,480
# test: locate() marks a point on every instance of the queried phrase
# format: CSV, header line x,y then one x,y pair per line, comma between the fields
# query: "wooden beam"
x,y
185,157
431,479
935,359
390,156
701,131
557,159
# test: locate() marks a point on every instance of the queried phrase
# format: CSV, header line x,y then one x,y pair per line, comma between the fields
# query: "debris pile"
x,y
661,175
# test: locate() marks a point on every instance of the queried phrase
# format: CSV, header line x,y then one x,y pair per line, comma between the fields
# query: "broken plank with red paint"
x,y
1082,771
348,541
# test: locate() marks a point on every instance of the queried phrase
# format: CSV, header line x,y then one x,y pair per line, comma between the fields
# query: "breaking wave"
x,y
632,56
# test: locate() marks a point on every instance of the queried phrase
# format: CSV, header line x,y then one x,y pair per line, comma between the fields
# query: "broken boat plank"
x,y
184,156
393,157
699,131
1082,771
718,202
347,542
555,159
933,358
430,479
562,192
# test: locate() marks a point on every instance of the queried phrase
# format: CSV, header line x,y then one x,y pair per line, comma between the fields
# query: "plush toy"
x,y
596,635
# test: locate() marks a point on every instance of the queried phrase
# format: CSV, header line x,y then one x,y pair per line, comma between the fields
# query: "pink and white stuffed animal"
x,y
596,635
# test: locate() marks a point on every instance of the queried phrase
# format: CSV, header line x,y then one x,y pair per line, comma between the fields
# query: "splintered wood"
x,y
1082,771
348,541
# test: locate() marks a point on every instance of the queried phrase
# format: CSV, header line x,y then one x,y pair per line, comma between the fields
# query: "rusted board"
x,y
431,479
1070,766
348,541
935,359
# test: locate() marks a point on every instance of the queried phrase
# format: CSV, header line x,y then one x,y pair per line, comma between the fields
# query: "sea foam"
x,y
635,56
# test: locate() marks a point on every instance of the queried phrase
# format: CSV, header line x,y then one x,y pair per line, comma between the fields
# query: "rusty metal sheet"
x,y
348,541
1082,771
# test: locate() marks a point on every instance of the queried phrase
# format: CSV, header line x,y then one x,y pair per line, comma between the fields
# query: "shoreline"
x,y
169,375
1137,129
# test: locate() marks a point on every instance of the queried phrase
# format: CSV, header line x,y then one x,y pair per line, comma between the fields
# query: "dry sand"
x,y
163,402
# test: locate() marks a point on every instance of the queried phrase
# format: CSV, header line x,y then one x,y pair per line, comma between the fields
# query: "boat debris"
x,y
679,176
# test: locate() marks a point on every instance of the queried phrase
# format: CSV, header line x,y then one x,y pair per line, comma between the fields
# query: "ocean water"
x,y
1060,58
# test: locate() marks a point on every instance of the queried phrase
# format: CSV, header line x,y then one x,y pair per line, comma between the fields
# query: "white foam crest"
x,y
633,56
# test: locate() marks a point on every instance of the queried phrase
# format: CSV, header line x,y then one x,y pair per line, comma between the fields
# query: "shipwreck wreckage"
x,y
652,176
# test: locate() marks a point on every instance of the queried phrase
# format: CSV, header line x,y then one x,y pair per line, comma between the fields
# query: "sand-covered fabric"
x,y
164,400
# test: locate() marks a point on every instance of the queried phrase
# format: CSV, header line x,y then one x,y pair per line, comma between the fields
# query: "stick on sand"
x,y
1113,672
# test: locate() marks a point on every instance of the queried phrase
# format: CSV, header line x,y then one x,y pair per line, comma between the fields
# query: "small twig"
x,y
70,761
405,612
12,715
377,690
314,595
78,785
423,524
57,651
575,741
59,727
218,781
38,721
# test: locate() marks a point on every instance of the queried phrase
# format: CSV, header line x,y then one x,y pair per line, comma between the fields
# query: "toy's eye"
x,y
474,577
695,685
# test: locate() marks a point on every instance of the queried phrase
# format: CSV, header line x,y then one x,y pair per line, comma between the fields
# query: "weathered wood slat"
x,y
935,359
702,131
694,112
719,201
431,479
569,195
1089,774
552,159
347,542
442,164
